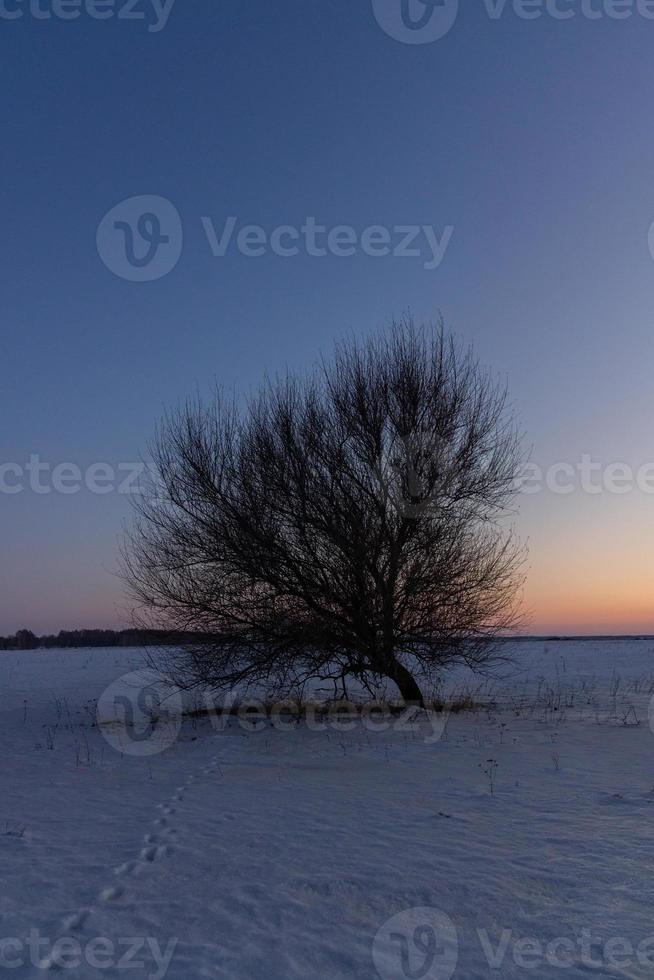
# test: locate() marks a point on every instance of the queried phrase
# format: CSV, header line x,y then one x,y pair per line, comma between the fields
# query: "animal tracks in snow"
x,y
111,894
128,868
76,920
157,845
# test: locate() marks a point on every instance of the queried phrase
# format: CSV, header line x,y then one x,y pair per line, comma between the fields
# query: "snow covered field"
x,y
514,840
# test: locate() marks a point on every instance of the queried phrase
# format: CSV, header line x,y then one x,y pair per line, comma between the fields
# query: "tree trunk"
x,y
405,681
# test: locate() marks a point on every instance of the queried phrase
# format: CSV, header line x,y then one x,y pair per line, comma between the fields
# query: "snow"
x,y
301,853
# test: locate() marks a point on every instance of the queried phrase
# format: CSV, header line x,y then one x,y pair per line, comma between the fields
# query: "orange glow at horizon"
x,y
591,567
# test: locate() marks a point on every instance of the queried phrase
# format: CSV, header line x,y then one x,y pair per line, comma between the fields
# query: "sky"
x,y
523,146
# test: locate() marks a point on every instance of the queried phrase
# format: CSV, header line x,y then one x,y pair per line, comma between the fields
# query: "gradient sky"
x,y
532,138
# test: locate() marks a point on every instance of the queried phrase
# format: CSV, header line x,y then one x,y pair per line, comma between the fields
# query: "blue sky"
x,y
532,138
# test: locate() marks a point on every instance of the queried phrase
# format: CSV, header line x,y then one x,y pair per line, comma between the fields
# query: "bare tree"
x,y
350,524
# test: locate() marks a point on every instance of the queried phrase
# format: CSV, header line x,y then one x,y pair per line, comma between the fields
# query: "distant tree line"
x,y
27,640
